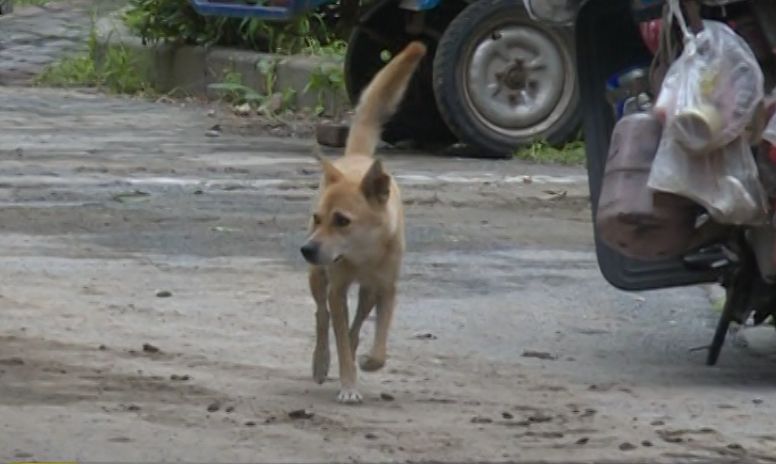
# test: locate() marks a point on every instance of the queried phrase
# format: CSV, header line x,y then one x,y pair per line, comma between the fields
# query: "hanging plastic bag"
x,y
710,93
707,100
724,181
769,134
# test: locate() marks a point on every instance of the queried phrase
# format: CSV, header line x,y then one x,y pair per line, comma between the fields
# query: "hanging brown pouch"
x,y
632,218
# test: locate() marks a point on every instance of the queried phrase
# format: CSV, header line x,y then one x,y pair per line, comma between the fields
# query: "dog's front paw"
x,y
369,363
349,396
321,359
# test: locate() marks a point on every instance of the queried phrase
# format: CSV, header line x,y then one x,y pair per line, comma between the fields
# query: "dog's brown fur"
x,y
357,232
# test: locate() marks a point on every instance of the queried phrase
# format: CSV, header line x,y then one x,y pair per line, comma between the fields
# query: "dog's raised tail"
x,y
381,98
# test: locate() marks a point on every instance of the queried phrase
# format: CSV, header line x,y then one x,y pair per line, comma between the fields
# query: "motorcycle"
x,y
621,59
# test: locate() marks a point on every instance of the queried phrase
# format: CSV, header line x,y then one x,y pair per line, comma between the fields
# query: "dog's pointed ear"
x,y
376,184
330,173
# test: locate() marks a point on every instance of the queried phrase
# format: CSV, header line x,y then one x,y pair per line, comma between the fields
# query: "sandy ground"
x,y
155,308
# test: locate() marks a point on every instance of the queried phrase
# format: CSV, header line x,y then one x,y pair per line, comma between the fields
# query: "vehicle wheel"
x,y
418,118
6,7
502,80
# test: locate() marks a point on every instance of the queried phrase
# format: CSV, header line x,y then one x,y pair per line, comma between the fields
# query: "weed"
x,y
234,91
117,71
328,82
271,103
541,152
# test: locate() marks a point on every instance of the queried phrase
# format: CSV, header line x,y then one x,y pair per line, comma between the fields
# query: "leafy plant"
x,y
270,103
117,71
326,81
234,91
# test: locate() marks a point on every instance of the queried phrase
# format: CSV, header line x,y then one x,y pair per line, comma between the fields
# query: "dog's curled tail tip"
x,y
416,50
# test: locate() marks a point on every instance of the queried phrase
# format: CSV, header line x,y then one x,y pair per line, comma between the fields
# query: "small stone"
x,y
149,348
163,294
12,362
211,113
301,414
213,407
133,407
386,397
229,409
102,348
198,192
243,110
270,419
331,135
757,401
583,441
370,436
646,443
657,423
214,131
180,378
250,424
627,446
539,355
425,336
735,446
481,420
507,415
539,418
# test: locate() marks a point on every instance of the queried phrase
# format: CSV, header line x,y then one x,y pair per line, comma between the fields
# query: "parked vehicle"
x,y
614,38
494,79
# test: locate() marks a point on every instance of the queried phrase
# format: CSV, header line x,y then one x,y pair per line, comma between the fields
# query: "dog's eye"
x,y
316,220
340,220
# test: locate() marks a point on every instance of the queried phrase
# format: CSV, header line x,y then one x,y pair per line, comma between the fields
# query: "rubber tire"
x,y
418,118
6,7
449,82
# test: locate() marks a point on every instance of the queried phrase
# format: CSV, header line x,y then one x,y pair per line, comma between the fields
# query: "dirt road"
x,y
154,307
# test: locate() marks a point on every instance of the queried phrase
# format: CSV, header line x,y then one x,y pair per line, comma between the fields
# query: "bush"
x,y
177,21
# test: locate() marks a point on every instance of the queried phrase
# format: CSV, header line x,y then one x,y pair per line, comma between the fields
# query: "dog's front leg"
x,y
366,301
321,356
338,305
386,300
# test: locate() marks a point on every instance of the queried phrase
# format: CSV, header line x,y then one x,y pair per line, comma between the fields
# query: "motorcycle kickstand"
x,y
737,299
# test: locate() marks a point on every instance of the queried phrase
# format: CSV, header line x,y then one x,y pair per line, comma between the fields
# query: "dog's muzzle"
x,y
310,251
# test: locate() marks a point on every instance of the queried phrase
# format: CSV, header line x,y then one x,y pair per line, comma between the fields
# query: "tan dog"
x,y
357,232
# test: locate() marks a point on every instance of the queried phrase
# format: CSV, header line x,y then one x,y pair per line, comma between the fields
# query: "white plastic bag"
x,y
707,100
769,134
724,181
710,93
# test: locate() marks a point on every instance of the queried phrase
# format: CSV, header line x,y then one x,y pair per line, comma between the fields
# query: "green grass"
x,y
118,71
71,71
572,154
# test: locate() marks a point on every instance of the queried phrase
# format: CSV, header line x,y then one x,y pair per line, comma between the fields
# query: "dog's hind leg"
x,y
386,300
366,301
321,356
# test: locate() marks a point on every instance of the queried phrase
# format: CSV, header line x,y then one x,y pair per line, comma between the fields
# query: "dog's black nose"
x,y
310,252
